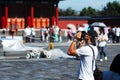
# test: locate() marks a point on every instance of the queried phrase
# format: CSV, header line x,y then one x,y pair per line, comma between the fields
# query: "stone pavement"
x,y
16,68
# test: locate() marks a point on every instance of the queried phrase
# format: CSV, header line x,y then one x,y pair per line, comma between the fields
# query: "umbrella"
x,y
72,27
98,24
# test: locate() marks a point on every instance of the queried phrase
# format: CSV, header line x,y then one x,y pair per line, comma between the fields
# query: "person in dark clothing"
x,y
51,33
93,35
114,72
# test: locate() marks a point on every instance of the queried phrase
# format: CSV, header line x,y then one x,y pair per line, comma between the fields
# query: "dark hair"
x,y
82,35
92,39
102,31
115,66
3,32
91,28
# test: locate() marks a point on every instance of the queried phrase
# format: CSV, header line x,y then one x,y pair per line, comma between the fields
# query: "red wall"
x,y
63,23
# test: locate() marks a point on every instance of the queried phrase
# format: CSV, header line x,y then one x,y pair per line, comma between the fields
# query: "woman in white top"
x,y
114,72
102,38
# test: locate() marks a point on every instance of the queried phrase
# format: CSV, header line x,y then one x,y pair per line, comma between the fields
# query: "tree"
x,y
71,12
112,9
88,12
68,12
61,12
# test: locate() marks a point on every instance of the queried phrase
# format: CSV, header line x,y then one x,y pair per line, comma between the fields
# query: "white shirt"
x,y
74,31
86,27
27,31
117,32
106,30
109,75
56,30
86,62
102,43
42,31
113,29
32,31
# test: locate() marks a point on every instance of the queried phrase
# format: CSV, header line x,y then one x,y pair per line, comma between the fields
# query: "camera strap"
x,y
93,56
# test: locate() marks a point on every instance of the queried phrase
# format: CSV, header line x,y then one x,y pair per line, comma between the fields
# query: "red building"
x,y
76,20
108,20
28,12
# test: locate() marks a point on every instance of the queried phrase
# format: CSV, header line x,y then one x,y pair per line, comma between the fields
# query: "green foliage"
x,y
68,12
88,12
111,9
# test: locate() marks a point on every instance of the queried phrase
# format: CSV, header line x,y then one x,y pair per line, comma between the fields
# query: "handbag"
x,y
97,72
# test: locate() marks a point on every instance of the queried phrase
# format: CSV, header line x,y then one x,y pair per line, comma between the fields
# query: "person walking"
x,y
46,33
42,35
69,35
87,65
32,33
117,33
60,35
102,38
114,34
12,29
51,34
56,31
27,33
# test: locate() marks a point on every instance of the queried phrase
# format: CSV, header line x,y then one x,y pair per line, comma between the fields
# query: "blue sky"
x,y
80,4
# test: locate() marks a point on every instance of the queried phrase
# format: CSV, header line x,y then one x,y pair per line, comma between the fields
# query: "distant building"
x,y
28,12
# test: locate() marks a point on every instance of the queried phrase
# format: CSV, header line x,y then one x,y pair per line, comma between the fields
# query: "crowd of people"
x,y
54,33
29,33
113,32
47,34
100,36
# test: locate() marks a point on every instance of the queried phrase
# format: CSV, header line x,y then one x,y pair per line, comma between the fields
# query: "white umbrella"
x,y
72,27
98,24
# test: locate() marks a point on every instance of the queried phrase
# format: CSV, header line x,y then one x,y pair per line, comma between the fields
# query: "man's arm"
x,y
72,50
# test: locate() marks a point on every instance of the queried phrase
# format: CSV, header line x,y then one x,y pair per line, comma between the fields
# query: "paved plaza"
x,y
14,67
